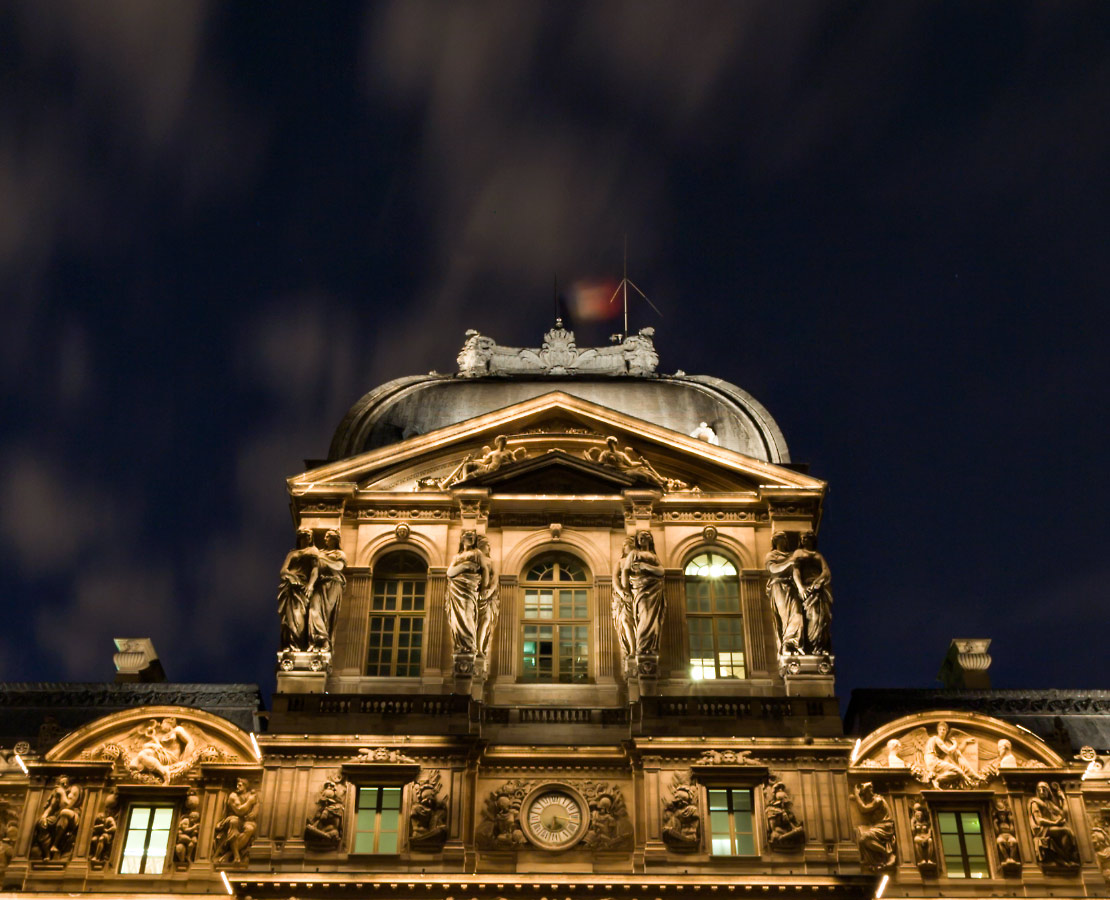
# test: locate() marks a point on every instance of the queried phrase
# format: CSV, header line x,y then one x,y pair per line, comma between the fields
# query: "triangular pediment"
x,y
588,443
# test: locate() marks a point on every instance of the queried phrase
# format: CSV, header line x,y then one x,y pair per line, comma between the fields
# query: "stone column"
x,y
672,643
351,629
503,662
438,641
608,651
758,627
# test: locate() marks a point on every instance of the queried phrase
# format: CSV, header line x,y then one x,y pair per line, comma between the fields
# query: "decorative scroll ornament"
x,y
382,755
103,833
785,831
682,816
924,847
1098,767
875,839
500,828
1005,839
162,751
632,463
188,833
235,832
610,827
428,815
1053,836
324,830
560,355
57,824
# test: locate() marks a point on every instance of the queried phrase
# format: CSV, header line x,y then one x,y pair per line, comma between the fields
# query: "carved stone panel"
x,y
682,815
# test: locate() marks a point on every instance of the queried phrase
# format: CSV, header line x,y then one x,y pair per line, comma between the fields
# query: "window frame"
x,y
756,817
963,856
167,860
394,618
379,785
714,616
586,623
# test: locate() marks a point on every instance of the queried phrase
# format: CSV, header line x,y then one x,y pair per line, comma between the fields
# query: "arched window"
x,y
556,620
713,623
397,615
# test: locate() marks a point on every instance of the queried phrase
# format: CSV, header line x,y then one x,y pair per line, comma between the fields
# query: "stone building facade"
x,y
555,626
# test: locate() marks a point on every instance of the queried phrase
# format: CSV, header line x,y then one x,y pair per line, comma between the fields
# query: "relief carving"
x,y
472,603
500,828
57,824
785,832
632,463
726,758
188,831
876,838
381,755
428,815
490,460
1100,839
924,847
160,752
610,828
682,816
103,832
1005,840
324,831
9,830
1053,837
235,831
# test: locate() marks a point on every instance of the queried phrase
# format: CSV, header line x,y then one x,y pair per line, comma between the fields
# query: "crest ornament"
x,y
682,815
428,815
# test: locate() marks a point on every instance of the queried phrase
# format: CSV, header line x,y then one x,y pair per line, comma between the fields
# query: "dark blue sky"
x,y
221,224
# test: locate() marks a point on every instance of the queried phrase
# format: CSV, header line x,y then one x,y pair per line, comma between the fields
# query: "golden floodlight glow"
x,y
254,744
19,762
882,887
855,751
227,884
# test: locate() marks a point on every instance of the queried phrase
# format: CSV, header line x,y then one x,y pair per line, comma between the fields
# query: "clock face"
x,y
554,819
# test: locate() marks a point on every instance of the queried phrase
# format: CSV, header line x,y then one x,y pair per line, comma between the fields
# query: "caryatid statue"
x,y
298,576
326,593
785,598
812,578
472,602
641,578
621,608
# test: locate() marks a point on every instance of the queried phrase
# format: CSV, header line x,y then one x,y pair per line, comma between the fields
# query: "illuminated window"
x,y
397,615
147,841
556,620
377,819
731,822
714,626
961,838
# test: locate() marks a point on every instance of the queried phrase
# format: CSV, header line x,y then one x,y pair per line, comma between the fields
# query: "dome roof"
x,y
620,377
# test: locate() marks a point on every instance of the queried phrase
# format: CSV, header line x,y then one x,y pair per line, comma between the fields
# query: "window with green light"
x,y
714,626
961,839
147,841
556,626
731,822
377,820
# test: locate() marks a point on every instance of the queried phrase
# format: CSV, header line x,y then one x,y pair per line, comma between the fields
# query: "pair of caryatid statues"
x,y
473,603
312,581
798,586
638,607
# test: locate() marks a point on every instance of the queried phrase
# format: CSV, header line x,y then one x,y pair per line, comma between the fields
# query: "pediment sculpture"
x,y
632,463
160,751
949,758
491,459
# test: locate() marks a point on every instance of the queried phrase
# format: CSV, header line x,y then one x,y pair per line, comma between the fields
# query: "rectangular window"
x,y
377,819
716,647
395,647
731,822
147,840
961,838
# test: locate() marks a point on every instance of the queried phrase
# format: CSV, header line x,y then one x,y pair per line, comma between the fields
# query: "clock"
x,y
554,817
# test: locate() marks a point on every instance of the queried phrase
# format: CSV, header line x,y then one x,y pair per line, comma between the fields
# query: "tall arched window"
x,y
556,620
397,615
713,623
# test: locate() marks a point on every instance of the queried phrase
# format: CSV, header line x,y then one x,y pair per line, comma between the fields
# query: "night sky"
x,y
222,224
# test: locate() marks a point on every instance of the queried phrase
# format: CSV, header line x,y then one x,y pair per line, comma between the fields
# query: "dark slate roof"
x,y
41,713
1066,720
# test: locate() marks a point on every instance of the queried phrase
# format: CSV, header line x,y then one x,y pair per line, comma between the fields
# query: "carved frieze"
x,y
378,755
726,758
682,815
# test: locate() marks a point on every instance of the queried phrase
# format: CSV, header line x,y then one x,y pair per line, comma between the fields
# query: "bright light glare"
x,y
882,887
227,884
19,762
855,751
254,744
